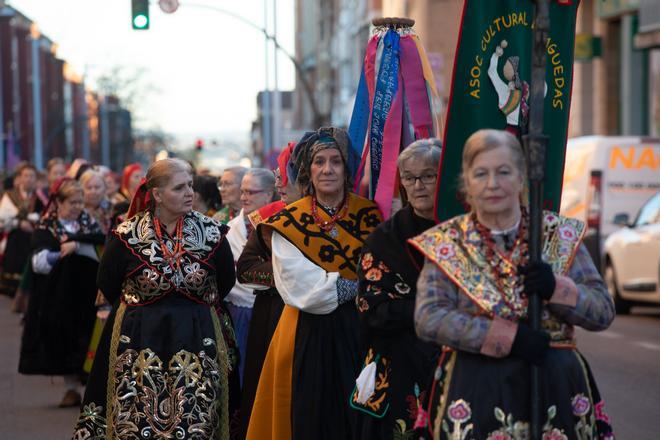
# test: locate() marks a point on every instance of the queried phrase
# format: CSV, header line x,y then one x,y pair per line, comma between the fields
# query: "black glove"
x,y
538,279
530,345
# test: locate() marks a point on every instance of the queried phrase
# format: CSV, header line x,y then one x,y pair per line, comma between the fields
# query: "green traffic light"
x,y
140,14
140,21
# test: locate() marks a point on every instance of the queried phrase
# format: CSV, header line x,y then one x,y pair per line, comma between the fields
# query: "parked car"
x,y
632,258
605,176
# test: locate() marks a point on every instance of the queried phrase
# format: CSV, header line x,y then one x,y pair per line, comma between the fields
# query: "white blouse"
x,y
301,283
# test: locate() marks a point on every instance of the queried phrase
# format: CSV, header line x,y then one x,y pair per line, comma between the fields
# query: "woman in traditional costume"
x,y
60,314
162,364
230,191
19,212
254,268
130,181
472,298
55,170
313,357
390,392
96,203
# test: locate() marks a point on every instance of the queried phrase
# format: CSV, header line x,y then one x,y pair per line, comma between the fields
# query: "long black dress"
x,y
17,252
61,311
161,368
388,273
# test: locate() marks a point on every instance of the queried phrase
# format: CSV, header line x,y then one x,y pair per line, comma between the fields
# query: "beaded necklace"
x,y
329,226
172,257
506,275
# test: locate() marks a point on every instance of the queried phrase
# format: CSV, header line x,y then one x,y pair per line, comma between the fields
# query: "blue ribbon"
x,y
357,129
387,85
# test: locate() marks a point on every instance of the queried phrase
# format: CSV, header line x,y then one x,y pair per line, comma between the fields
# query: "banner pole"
x,y
535,147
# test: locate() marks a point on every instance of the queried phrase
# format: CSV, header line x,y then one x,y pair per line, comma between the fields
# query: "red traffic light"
x,y
199,144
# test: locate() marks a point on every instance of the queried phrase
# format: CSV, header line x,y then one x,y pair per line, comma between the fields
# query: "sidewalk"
x,y
28,404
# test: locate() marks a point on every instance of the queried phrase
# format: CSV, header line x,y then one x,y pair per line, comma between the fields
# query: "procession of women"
x,y
331,297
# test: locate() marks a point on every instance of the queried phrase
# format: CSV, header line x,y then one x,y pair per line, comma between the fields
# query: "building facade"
x,y
616,83
45,109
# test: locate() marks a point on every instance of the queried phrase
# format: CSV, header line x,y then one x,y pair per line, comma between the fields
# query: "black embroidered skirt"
x,y
475,396
160,372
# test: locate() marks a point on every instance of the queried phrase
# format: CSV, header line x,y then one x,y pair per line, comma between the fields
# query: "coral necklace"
x,y
329,226
506,276
173,257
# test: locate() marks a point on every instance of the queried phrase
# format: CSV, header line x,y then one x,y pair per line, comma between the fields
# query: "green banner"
x,y
491,85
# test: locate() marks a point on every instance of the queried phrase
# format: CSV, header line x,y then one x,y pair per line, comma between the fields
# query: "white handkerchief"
x,y
366,383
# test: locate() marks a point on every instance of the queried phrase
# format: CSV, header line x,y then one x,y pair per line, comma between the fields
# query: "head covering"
x,y
54,189
311,143
515,62
74,170
128,172
141,199
283,160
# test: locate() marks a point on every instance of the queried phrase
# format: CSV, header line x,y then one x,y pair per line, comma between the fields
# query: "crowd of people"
x,y
279,304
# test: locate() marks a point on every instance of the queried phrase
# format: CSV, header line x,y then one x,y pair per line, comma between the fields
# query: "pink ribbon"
x,y
415,87
391,146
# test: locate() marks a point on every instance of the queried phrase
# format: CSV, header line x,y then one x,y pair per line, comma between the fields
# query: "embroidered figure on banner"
x,y
512,95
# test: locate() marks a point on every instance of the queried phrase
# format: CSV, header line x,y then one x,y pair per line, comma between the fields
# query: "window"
x,y
650,212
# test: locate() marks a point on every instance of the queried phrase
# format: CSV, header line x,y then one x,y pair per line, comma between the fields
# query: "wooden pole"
x,y
535,147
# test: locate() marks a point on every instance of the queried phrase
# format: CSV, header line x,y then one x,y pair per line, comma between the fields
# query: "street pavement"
x,y
28,404
625,360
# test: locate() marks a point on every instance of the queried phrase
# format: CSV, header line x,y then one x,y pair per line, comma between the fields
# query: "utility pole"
x,y
105,132
265,103
36,98
277,98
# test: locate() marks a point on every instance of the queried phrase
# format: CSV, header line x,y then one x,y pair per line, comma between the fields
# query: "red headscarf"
x,y
140,201
126,176
283,159
54,189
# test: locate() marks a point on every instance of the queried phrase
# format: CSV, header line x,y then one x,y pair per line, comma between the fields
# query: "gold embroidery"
x,y
110,387
188,399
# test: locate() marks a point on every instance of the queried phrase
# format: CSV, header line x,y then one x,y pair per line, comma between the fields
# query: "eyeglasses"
x,y
251,192
225,184
426,179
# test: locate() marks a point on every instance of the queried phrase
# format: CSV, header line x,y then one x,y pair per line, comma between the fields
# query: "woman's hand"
x,y
68,248
538,279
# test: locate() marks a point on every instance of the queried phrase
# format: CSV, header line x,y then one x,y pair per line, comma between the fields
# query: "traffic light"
x,y
199,144
140,14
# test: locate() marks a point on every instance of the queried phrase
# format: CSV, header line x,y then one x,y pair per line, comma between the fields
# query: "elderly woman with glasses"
x,y
392,388
311,364
472,298
230,192
257,190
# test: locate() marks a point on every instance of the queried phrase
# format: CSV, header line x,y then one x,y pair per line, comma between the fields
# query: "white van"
x,y
605,176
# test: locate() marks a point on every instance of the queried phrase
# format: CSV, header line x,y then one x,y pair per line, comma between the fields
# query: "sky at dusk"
x,y
206,67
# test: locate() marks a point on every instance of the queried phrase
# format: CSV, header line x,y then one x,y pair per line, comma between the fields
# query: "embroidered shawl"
x,y
339,254
456,247
155,277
